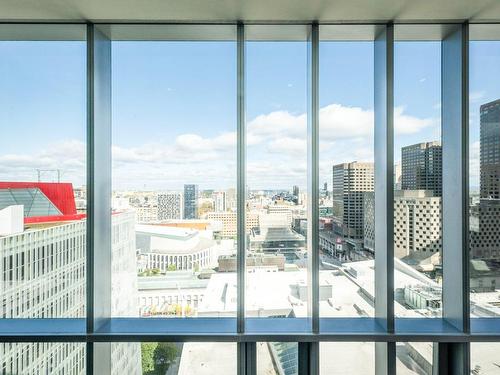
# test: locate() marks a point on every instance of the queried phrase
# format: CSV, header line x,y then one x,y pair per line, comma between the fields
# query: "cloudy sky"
x,y
174,109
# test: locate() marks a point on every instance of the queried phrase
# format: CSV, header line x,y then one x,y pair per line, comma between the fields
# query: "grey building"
x,y
422,167
485,235
490,150
190,201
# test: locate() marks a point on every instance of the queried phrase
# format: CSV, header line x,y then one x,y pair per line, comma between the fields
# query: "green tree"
x,y
171,267
164,354
147,351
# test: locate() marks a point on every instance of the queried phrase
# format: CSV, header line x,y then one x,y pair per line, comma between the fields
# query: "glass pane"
x,y
484,173
276,131
159,358
277,358
174,176
43,172
484,358
417,178
339,358
346,157
415,358
42,358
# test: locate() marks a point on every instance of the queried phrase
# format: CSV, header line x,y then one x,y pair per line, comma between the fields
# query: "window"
x,y
203,146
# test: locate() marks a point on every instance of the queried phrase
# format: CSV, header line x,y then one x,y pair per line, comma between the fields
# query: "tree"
x,y
147,351
171,267
164,354
157,357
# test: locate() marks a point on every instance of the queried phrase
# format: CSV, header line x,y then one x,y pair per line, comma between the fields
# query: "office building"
x,y
228,223
170,206
190,201
219,198
43,275
417,225
485,237
422,167
350,183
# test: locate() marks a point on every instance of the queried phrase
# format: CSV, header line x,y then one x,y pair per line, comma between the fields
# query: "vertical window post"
x,y
455,130
99,193
384,194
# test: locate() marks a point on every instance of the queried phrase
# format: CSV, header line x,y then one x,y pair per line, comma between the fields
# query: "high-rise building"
x,y
169,206
43,275
422,167
350,183
485,237
190,201
219,198
490,150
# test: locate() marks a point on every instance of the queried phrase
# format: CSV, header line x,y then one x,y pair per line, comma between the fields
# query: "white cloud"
x,y
277,153
476,96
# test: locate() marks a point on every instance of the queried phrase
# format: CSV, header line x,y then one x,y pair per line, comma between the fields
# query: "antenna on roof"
x,y
40,172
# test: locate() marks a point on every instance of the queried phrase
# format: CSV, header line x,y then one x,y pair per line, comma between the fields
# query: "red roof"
x,y
59,193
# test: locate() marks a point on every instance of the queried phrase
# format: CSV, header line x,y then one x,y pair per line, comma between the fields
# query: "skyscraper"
x,y
485,237
421,167
190,201
490,150
350,183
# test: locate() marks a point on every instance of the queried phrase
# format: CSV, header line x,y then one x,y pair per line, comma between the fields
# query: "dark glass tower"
x,y
421,167
190,201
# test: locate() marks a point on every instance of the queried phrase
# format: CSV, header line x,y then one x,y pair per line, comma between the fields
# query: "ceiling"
x,y
335,11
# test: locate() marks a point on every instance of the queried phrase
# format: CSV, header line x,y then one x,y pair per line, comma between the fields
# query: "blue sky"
x,y
174,109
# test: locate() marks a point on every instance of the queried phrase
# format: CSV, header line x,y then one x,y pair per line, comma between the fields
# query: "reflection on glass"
x,y
277,358
484,358
417,179
42,178
276,177
174,178
415,358
160,358
346,155
484,178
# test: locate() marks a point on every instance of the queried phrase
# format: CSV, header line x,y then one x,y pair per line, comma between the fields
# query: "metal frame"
x,y
453,333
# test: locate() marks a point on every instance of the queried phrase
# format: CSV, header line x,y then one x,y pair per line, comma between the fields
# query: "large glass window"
x,y
276,129
174,172
417,174
42,171
346,154
484,171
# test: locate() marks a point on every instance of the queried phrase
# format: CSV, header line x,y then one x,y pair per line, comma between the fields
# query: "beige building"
x,y
417,223
229,222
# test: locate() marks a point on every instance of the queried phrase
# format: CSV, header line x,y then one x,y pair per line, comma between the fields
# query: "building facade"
x,y
229,224
417,224
422,167
350,183
190,201
43,276
170,206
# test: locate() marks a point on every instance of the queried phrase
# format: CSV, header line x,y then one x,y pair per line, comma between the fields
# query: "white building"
x,y
178,248
43,276
219,198
170,206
